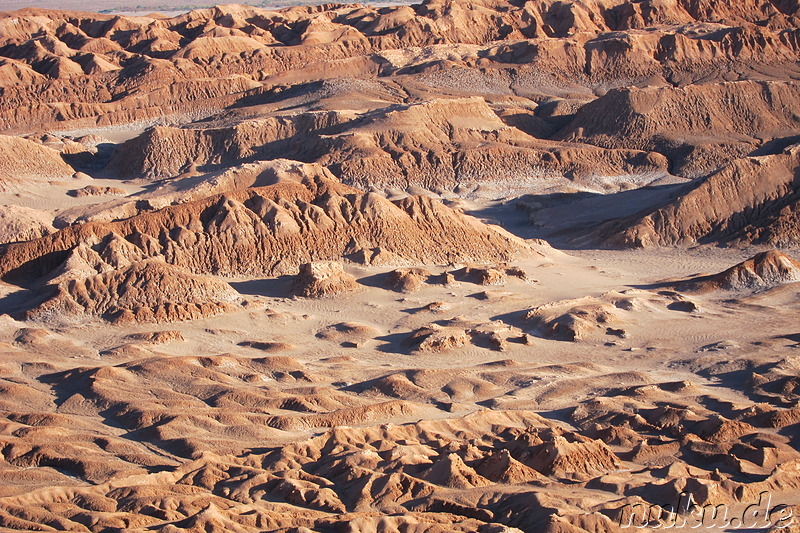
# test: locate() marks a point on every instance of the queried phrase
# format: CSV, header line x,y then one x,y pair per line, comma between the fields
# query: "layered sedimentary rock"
x,y
488,470
185,169
19,223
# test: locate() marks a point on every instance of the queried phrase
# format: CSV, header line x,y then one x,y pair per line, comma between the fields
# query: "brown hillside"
x,y
273,229
751,200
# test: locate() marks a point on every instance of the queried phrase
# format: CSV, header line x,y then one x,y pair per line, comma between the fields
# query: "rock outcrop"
x,y
95,190
344,146
407,279
435,144
691,125
763,271
603,317
214,56
323,279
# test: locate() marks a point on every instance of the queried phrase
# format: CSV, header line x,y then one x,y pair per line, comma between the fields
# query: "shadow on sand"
x,y
279,287
570,221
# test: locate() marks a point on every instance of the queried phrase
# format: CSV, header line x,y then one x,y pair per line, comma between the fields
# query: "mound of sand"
x,y
157,337
605,316
348,333
268,346
578,322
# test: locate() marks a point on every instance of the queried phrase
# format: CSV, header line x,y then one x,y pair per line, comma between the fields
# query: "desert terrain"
x,y
464,265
